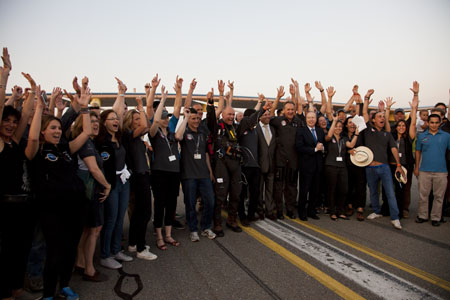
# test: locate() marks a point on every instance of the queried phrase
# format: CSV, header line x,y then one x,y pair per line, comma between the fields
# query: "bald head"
x,y
228,115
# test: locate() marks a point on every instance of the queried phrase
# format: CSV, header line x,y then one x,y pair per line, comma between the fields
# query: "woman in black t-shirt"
x,y
336,169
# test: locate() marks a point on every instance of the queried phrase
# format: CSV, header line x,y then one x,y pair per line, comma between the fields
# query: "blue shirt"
x,y
433,148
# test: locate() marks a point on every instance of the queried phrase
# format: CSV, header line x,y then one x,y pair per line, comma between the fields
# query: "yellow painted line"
x,y
380,256
326,280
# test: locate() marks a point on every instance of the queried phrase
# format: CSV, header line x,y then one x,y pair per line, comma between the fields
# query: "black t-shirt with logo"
x,y
165,152
193,155
285,133
336,149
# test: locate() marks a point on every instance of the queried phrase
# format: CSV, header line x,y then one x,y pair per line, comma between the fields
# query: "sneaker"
x,y
194,237
373,216
110,263
146,254
177,224
24,295
132,249
396,224
122,256
67,293
209,234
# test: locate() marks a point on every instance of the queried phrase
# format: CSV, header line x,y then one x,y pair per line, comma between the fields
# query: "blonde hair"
x,y
128,120
77,127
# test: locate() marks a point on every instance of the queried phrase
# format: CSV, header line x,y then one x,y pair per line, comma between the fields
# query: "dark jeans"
x,y
252,175
337,188
17,222
62,230
142,210
166,187
285,184
357,185
228,176
191,188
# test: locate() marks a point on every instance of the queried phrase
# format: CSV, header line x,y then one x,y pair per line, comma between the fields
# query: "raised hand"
x,y
178,84
221,86
294,82
307,88
56,93
210,96
85,82
355,89
187,113
292,90
17,92
85,97
40,101
147,88
231,85
155,81
380,105
415,88
389,102
70,96
75,85
60,105
330,92
280,92
6,60
261,96
369,94
319,86
193,84
30,80
163,94
121,86
139,105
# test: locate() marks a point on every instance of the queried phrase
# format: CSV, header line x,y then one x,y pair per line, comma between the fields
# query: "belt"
x,y
374,167
20,198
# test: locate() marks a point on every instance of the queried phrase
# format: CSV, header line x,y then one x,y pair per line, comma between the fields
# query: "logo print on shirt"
x,y
105,155
51,157
189,136
283,123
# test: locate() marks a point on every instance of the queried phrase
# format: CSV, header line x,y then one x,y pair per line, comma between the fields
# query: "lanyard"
x,y
198,141
167,141
339,144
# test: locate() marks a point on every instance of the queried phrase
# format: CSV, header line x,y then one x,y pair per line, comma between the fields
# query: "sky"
x,y
260,45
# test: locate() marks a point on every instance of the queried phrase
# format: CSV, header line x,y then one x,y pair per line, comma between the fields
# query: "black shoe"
x,y
177,225
235,228
313,216
219,233
420,220
435,223
303,218
280,216
291,214
272,217
245,222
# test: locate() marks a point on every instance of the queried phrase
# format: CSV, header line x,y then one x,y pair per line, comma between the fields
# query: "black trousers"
x,y
17,224
285,184
357,186
337,186
252,176
62,228
166,186
142,210
309,190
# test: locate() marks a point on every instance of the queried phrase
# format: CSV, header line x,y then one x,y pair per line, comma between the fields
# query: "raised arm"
x,y
299,100
178,97
323,97
329,136
220,105
309,98
79,141
414,106
27,109
16,95
143,124
188,102
4,74
55,93
330,92
211,118
158,113
352,98
230,98
150,95
119,104
182,128
388,104
35,127
280,93
260,100
367,102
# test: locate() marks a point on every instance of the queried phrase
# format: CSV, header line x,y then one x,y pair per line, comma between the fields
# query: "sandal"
x,y
333,217
170,240
359,215
162,246
344,217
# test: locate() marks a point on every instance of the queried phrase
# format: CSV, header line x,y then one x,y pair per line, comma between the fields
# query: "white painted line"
x,y
378,281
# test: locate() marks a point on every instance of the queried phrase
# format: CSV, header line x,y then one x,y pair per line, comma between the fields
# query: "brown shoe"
x,y
405,214
97,277
359,215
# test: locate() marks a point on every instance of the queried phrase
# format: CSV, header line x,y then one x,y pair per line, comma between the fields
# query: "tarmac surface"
x,y
291,259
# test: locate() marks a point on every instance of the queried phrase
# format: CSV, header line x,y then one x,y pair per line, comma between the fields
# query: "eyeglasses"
x,y
113,119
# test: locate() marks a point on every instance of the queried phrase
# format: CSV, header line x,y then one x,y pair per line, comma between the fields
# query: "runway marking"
x,y
309,269
380,256
368,276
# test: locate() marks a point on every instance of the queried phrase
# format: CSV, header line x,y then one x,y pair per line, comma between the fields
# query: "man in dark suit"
x,y
266,152
310,146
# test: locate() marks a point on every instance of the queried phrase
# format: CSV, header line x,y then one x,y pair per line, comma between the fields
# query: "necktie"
x,y
313,131
267,134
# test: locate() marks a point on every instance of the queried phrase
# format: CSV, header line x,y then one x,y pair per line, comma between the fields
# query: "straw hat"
x,y
400,178
363,156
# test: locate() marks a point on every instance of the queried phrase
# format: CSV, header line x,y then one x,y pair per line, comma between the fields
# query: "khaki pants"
x,y
438,183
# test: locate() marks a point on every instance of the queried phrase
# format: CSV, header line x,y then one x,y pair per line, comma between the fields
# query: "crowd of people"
x,y
70,176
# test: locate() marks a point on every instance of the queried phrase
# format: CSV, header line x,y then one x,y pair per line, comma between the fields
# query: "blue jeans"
x,y
115,207
374,175
190,189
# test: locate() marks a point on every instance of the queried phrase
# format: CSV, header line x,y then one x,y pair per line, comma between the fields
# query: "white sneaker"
x,y
132,249
110,263
373,216
122,256
194,237
396,224
146,254
209,233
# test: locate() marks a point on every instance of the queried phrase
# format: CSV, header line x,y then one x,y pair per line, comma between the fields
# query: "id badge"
x,y
399,154
197,156
172,158
338,158
219,180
